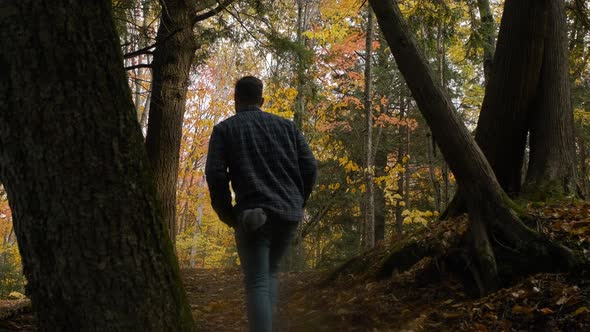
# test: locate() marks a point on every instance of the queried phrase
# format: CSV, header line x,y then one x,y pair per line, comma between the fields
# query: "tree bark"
x,y
300,79
552,166
399,220
487,33
584,174
173,58
502,127
534,98
370,163
488,205
198,221
433,180
380,202
94,249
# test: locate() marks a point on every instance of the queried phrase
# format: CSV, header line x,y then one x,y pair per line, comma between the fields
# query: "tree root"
x,y
404,258
494,251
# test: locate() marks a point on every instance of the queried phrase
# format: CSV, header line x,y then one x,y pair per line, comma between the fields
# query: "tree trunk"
x,y
370,163
510,94
380,203
198,221
552,166
502,127
488,205
407,173
143,121
584,174
487,33
171,67
94,249
399,219
299,99
442,62
433,180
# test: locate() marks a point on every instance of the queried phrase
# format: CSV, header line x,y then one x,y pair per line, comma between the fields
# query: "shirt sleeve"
x,y
307,166
216,172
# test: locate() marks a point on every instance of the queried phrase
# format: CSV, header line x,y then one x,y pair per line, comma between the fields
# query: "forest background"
x,y
311,56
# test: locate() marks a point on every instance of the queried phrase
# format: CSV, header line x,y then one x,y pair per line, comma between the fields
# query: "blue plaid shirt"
x,y
267,161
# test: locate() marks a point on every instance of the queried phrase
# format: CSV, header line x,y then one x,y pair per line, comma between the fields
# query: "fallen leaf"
x,y
580,311
451,315
546,311
518,309
563,300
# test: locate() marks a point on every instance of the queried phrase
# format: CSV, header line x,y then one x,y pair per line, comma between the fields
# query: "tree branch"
x,y
221,6
141,65
146,50
581,12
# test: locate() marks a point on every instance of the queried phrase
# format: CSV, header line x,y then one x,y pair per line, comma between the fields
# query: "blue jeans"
x,y
260,254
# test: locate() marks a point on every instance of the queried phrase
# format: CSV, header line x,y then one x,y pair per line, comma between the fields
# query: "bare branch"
x,y
146,50
141,65
221,6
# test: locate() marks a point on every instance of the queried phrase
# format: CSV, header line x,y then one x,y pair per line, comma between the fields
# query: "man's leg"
x,y
283,232
253,249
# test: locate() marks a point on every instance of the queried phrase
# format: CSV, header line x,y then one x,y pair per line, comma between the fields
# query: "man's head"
x,y
248,92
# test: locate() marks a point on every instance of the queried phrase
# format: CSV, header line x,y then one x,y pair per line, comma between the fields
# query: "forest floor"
x,y
414,300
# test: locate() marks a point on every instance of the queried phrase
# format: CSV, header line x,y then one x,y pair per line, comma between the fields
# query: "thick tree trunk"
x,y
510,94
552,166
171,67
488,205
94,249
502,126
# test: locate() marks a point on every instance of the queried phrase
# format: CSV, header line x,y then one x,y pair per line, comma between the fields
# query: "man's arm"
x,y
218,177
307,166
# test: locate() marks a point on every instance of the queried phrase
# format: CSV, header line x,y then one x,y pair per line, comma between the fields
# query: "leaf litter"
x,y
405,302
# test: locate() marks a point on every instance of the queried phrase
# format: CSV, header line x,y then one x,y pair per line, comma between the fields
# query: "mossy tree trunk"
x,y
510,93
552,165
95,252
528,91
489,207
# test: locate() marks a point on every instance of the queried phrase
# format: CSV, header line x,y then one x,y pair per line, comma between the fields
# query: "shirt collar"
x,y
249,108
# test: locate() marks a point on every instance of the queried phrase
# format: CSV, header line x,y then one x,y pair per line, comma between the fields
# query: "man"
x,y
272,171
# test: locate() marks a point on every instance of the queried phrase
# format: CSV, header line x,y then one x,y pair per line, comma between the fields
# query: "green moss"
x,y
514,205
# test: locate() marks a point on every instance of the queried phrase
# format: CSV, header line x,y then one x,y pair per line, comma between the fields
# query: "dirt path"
x,y
216,298
545,302
218,303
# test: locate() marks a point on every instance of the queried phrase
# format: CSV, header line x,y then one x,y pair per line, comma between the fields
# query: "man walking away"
x,y
272,171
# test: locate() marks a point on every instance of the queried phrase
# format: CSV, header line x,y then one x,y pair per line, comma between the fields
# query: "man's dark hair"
x,y
249,90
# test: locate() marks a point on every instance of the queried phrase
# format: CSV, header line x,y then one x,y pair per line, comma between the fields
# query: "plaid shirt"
x,y
267,161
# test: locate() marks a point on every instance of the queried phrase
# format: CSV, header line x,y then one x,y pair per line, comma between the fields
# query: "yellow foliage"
x,y
582,116
415,216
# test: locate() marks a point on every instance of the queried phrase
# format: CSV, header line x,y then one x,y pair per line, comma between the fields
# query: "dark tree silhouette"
x,y
95,252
